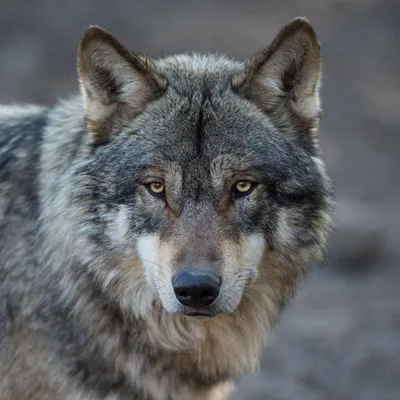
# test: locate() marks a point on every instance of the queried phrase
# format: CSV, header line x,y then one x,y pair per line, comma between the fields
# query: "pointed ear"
x,y
284,79
116,84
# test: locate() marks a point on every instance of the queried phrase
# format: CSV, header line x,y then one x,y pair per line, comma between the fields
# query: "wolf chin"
x,y
154,226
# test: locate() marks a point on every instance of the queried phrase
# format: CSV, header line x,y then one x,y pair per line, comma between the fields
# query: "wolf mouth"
x,y
199,314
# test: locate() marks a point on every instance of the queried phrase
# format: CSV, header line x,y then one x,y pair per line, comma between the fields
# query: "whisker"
x,y
151,262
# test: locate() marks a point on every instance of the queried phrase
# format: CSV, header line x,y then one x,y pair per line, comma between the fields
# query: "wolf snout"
x,y
196,288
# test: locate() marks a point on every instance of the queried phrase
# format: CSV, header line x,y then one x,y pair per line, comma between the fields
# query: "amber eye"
x,y
156,188
243,188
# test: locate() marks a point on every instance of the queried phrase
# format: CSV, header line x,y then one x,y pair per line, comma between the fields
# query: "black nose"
x,y
196,288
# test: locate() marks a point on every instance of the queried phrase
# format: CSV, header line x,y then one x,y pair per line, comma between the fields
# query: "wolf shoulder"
x,y
21,130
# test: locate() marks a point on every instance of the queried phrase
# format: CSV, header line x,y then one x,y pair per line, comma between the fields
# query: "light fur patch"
x,y
320,166
240,266
12,112
253,248
284,231
197,64
119,228
157,257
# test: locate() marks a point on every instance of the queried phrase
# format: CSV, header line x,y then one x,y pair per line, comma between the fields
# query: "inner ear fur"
x,y
284,79
116,84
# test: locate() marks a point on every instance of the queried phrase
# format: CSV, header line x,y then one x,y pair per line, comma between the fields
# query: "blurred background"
x,y
340,337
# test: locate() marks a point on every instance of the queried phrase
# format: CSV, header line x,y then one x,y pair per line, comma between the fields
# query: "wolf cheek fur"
x,y
90,253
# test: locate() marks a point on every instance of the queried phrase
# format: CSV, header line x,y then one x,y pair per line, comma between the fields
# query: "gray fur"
x,y
87,254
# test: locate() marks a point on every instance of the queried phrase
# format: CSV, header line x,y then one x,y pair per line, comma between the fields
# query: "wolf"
x,y
154,226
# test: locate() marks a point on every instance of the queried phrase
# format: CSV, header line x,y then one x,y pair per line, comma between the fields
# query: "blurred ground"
x,y
340,338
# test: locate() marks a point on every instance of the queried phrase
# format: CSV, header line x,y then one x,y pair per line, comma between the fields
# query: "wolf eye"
x,y
156,188
243,188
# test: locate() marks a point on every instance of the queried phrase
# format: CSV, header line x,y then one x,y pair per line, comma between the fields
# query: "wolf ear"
x,y
116,84
284,79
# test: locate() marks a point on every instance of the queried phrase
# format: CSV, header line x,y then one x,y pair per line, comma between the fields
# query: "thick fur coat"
x,y
88,247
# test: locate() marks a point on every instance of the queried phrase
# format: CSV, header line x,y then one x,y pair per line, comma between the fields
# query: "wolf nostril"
x,y
206,294
182,293
196,288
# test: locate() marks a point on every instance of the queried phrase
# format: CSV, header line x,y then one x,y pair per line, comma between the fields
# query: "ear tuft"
x,y
116,85
285,77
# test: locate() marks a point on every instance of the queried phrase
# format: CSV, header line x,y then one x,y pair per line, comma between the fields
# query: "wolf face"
x,y
202,178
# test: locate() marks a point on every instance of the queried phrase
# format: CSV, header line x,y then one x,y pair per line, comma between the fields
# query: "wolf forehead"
x,y
200,117
187,73
198,104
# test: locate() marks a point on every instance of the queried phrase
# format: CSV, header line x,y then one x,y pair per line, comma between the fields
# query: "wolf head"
x,y
202,185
